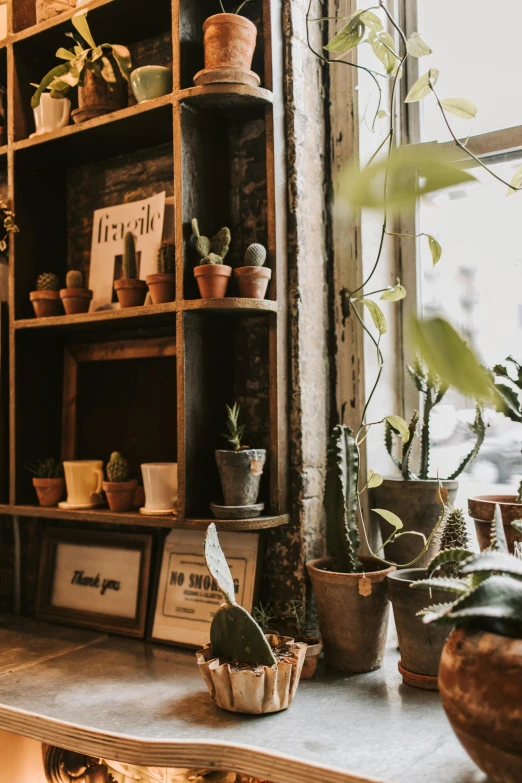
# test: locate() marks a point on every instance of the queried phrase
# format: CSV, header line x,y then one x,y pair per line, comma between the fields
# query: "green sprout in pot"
x,y
48,468
235,430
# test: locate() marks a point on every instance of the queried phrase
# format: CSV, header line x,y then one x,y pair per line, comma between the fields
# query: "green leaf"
x,y
422,86
79,21
64,54
416,46
390,517
446,354
382,113
516,182
349,37
400,426
453,585
394,293
377,315
436,250
493,561
107,71
58,71
371,21
460,107
448,556
375,480
383,47
123,60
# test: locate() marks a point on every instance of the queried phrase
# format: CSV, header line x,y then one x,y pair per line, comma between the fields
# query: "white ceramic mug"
x,y
51,113
160,482
84,478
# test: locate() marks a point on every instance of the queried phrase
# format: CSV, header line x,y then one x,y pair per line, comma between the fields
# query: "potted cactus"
x,y
75,297
47,481
240,470
244,670
252,277
212,274
119,488
46,298
292,624
130,290
162,284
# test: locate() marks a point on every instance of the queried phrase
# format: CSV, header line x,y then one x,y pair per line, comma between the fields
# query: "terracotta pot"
x,y
420,644
353,626
120,494
96,98
313,651
49,490
252,281
482,509
240,474
46,303
480,682
130,292
229,41
212,280
415,502
76,300
162,287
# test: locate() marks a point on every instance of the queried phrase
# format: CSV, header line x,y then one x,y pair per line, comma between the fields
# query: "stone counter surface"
x,y
147,704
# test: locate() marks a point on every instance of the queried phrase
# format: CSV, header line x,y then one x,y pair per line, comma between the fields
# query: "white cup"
x,y
160,482
84,480
51,113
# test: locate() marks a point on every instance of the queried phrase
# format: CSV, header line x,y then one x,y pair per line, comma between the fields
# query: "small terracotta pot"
x,y
229,41
480,682
76,300
130,292
353,626
252,281
482,509
96,98
162,287
49,490
212,280
120,494
46,303
313,651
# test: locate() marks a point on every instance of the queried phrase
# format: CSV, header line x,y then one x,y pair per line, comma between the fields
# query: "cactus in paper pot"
x,y
166,258
74,279
255,255
129,264
48,282
211,251
117,468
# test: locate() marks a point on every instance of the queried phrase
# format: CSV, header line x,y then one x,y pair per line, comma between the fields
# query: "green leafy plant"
x,y
255,255
129,262
166,258
211,251
235,430
508,386
117,468
48,468
238,8
105,61
74,279
48,282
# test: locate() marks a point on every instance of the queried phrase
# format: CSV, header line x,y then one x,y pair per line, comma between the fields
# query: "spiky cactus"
x,y
166,258
48,282
117,469
454,542
255,255
211,251
130,270
74,279
235,430
234,634
340,500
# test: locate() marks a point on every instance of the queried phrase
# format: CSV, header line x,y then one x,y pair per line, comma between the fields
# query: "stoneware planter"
x,y
313,651
229,41
415,502
212,280
482,509
49,490
96,98
252,281
240,474
46,303
480,682
130,292
420,644
255,691
76,300
120,494
151,81
353,611
162,287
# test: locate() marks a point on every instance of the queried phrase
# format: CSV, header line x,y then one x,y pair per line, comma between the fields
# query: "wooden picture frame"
x,y
83,582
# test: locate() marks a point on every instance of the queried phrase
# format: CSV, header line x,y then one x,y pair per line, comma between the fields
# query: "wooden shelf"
x,y
226,98
101,317
3,149
232,305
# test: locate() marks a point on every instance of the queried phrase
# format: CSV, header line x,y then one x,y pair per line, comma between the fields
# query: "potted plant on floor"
x,y
131,291
75,297
119,488
212,274
99,72
48,481
46,298
244,670
293,624
229,42
162,284
240,470
252,277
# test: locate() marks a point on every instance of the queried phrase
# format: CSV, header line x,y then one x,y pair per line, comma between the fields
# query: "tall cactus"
x,y
340,500
211,251
130,270
166,258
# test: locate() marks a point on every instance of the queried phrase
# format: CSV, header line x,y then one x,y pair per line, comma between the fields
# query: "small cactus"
x,y
117,468
74,279
255,255
166,258
211,251
48,282
130,270
235,430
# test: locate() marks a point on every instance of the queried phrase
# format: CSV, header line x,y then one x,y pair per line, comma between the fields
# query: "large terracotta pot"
x,y
229,41
417,504
353,615
480,682
482,509
96,98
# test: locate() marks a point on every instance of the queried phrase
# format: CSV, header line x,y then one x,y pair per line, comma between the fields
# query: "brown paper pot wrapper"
x,y
254,691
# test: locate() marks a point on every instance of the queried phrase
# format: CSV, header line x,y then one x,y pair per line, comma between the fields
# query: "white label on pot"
x,y
365,586
256,467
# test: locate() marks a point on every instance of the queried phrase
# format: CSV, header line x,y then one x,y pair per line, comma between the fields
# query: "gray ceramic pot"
x,y
240,473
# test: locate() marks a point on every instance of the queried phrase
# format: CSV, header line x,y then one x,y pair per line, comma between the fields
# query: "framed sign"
x,y
187,596
95,579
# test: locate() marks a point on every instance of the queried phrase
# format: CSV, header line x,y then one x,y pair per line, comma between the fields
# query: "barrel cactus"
x,y
130,270
48,282
255,255
211,251
117,468
74,279
166,258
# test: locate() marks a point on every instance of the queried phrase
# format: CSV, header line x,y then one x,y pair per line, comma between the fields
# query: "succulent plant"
x,y
255,255
74,279
129,265
211,251
234,634
235,430
454,546
48,468
508,389
166,258
117,468
48,282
